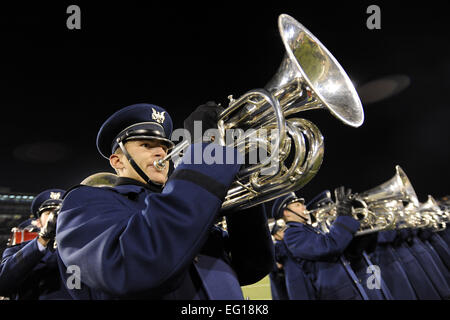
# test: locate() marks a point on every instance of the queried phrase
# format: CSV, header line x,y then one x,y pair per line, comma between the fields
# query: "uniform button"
x,y
196,259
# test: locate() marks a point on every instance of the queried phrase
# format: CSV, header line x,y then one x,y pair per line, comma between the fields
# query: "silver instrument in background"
x,y
376,209
309,77
398,187
100,179
431,215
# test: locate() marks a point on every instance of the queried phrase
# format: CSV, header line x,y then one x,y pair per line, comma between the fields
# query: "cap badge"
x,y
158,116
55,195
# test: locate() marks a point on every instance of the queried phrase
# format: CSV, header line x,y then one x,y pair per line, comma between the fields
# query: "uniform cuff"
x,y
211,166
348,223
40,246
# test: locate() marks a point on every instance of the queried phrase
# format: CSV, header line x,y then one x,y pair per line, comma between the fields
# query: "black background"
x,y
59,85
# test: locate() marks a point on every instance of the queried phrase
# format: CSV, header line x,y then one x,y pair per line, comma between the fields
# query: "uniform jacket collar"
x,y
304,226
125,185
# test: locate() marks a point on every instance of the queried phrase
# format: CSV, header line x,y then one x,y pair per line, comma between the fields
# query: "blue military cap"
x,y
319,200
48,199
138,121
283,202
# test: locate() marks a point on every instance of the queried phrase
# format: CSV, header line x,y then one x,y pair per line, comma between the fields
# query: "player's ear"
x,y
116,161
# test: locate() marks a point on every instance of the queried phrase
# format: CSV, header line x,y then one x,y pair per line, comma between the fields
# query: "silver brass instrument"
x,y
100,179
378,208
431,215
309,77
398,187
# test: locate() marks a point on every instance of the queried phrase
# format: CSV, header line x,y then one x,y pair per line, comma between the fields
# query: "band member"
x,y
430,263
153,237
317,256
277,277
297,285
418,278
435,243
29,270
358,253
391,268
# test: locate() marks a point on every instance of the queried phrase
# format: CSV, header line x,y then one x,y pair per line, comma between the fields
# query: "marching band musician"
x,y
417,276
299,284
432,267
392,269
153,237
424,236
29,270
358,254
277,276
318,266
435,243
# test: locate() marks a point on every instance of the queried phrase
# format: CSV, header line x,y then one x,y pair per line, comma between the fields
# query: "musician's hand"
x,y
343,201
207,113
43,242
48,232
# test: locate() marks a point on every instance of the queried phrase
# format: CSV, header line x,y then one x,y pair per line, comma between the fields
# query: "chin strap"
x,y
139,171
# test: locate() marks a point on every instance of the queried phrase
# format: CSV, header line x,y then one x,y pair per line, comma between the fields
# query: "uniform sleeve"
x,y
250,242
17,263
280,252
304,243
121,251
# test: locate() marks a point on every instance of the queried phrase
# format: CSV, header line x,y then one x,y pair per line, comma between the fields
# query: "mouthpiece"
x,y
160,165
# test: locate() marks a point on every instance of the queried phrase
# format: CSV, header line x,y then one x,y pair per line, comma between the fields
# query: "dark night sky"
x,y
59,85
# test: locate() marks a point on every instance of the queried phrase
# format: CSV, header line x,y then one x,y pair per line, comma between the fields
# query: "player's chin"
x,y
156,175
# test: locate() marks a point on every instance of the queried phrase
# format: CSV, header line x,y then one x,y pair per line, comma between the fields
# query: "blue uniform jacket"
x,y
445,235
391,267
432,238
131,243
297,284
277,275
319,254
419,279
431,263
29,274
358,255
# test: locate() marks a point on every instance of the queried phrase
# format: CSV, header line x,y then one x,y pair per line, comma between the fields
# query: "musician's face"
x,y
144,153
300,209
44,217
